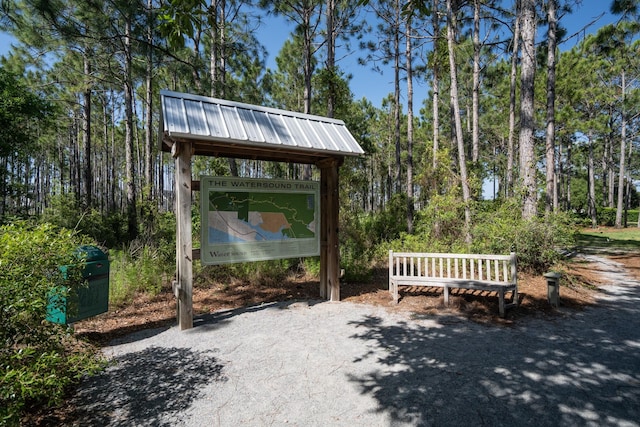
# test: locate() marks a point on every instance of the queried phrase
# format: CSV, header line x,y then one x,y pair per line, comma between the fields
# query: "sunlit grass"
x,y
630,233
612,239
144,272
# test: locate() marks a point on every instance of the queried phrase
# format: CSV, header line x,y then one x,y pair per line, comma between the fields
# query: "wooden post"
x,y
329,224
184,244
324,196
513,260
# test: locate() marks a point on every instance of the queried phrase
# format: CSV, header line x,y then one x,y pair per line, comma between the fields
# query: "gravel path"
x,y
341,364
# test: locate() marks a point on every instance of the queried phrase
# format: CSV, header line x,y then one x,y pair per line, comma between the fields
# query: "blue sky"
x,y
374,86
585,19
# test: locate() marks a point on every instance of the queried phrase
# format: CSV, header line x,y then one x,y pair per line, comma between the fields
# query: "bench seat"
x,y
493,273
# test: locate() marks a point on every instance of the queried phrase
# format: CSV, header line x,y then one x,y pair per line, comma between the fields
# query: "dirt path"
x,y
347,364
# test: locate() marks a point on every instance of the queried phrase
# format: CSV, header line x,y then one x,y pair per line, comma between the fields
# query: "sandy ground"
x,y
311,363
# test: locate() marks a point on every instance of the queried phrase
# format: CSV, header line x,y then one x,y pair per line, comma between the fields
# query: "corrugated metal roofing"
x,y
193,117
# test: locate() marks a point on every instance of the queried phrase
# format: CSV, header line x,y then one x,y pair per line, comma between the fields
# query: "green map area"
x,y
251,219
260,216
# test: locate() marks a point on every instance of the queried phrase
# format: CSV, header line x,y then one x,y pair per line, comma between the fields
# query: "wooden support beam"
x,y
329,215
184,243
324,196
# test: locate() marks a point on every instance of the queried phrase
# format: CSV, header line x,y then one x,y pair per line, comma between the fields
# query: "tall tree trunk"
x,y
396,96
308,74
112,170
627,201
435,84
475,125
569,174
591,199
409,129
611,176
107,195
623,146
86,127
331,56
148,146
75,173
527,123
132,220
629,183
308,69
213,53
195,70
222,59
512,105
551,201
218,60
607,198
466,193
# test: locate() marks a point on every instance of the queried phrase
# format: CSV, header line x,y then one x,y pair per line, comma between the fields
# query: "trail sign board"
x,y
245,219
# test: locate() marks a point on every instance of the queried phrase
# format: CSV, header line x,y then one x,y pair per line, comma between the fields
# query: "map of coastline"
x,y
256,216
256,219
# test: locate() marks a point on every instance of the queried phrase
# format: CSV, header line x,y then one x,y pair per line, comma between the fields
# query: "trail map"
x,y
256,219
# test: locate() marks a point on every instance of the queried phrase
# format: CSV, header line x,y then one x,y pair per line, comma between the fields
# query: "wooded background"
x,y
556,131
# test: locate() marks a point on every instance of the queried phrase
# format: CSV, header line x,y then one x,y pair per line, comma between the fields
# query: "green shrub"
x,y
539,243
356,268
137,268
362,233
256,273
39,359
497,229
356,245
606,216
65,211
441,223
439,227
141,265
387,224
312,266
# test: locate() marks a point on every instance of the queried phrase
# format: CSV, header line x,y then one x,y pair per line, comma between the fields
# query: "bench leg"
x,y
395,293
501,302
445,291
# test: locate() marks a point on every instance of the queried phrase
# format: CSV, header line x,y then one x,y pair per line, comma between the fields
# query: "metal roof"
x,y
228,128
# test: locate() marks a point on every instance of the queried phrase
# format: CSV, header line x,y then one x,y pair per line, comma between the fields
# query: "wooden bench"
x,y
494,273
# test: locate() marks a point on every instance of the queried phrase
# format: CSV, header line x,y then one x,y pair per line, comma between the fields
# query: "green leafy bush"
x,y
539,243
256,273
357,268
141,265
39,359
497,229
362,233
312,266
136,268
357,241
64,211
440,225
606,216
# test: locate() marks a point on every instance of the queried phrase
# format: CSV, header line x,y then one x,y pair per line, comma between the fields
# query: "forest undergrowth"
x,y
142,271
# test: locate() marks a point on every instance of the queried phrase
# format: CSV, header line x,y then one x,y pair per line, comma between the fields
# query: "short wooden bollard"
x,y
553,287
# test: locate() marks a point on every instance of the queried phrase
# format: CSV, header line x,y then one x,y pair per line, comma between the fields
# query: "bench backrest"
x,y
495,268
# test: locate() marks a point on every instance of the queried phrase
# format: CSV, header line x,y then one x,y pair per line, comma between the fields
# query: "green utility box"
x,y
88,300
